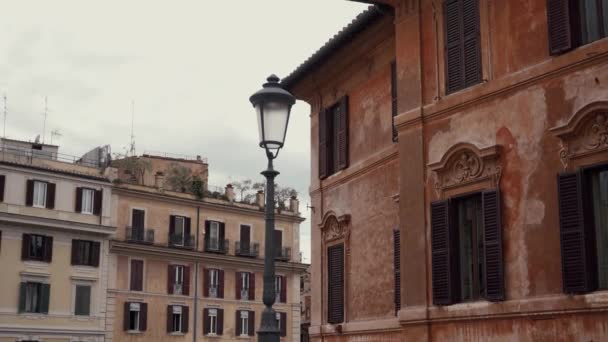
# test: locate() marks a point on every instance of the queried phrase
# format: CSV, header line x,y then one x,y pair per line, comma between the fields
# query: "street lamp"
x,y
273,106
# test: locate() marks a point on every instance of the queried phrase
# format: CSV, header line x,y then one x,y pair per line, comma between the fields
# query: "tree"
x,y
242,187
132,165
178,178
248,189
197,187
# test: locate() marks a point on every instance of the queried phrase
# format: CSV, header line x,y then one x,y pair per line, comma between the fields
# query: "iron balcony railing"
x,y
247,249
213,291
140,235
178,289
217,246
284,254
181,241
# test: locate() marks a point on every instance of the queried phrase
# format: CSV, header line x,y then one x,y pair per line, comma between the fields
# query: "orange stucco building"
x,y
458,172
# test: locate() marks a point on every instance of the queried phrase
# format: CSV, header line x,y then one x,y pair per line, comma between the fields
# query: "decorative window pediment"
x,y
335,227
464,164
584,134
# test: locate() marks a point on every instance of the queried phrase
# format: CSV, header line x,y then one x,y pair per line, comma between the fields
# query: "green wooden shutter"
x,y
45,298
22,294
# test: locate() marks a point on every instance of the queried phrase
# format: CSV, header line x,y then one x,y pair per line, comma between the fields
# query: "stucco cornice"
x,y
35,221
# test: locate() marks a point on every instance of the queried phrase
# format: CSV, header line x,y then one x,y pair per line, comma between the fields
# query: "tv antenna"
x,y
5,114
132,148
55,133
46,110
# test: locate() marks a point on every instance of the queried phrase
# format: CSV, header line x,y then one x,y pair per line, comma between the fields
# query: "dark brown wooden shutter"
x,y
138,218
143,317
185,318
172,225
493,259
29,193
251,323
559,26
48,249
50,195
283,324
186,285
169,318
78,204
22,294
220,321
245,236
222,236
207,232
206,282
25,246
442,243
238,279
170,278
97,202
2,182
187,228
137,268
335,271
577,270
125,317
278,241
283,295
237,323
95,253
394,109
472,42
397,268
342,134
220,278
251,286
45,298
323,148
75,260
205,321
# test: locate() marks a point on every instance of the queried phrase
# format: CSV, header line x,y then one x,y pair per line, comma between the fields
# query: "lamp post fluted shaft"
x,y
269,330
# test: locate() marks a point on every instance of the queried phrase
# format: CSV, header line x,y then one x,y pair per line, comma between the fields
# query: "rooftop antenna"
x,y
5,114
46,109
55,133
132,148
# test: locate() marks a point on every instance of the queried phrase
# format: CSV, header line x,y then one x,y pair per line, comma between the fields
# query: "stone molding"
x,y
464,164
585,133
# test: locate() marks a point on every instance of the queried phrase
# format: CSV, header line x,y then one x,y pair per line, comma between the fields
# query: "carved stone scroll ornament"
x,y
585,133
334,228
464,164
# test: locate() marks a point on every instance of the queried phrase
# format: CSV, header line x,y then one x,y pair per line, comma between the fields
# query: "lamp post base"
x,y
269,330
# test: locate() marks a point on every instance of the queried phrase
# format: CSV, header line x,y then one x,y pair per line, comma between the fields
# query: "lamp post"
x,y
273,106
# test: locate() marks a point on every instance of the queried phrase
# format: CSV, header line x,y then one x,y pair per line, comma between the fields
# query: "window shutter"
x,y
245,236
170,278
205,321
220,321
251,323
251,286
172,225
342,132
78,203
323,148
186,285
222,235
559,26
335,270
283,324
22,290
138,218
472,42
48,249
207,229
96,253
2,182
75,259
185,318
493,259
125,318
278,241
283,295
206,282
397,268
187,227
169,318
137,268
442,261
25,247
143,317
237,323
29,193
83,300
97,202
394,109
220,290
577,270
238,279
50,195
44,298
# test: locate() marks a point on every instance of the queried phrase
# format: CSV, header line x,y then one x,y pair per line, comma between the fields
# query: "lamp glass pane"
x,y
275,123
259,115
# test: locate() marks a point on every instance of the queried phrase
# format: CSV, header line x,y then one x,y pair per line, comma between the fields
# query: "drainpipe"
x,y
195,309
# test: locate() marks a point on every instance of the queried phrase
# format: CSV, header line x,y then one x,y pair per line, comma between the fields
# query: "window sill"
x,y
176,333
39,206
33,315
213,335
134,332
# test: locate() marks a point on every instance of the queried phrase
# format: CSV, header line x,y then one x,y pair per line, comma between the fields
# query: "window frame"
x,y
137,319
244,321
89,306
38,300
212,316
179,316
588,203
33,239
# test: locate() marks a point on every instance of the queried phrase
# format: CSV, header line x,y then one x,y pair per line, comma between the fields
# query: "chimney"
x,y
229,192
159,180
294,205
259,198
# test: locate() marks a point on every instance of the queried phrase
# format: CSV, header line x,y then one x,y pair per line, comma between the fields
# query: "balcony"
x,y
181,241
217,246
251,250
213,291
139,235
178,289
283,254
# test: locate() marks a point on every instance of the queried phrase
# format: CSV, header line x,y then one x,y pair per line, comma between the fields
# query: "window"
x,y
462,44
37,247
598,180
245,237
180,225
213,323
335,284
82,305
137,275
244,323
87,201
179,280
179,231
85,253
282,322
245,285
333,138
135,317
39,194
280,289
394,110
177,319
467,248
34,297
214,283
214,236
572,23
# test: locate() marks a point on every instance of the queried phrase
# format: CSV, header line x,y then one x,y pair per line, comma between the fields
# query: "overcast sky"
x,y
190,67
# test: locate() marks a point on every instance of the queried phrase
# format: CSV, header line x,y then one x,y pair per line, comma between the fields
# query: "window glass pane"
x,y
83,300
591,28
32,297
470,248
214,235
133,320
39,194
599,181
605,16
87,201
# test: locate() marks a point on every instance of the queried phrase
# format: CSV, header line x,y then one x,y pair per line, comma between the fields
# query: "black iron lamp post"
x,y
273,106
